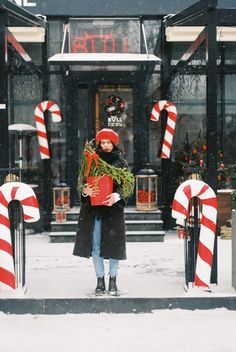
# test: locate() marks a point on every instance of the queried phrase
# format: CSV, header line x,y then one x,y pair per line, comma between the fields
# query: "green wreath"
x,y
114,105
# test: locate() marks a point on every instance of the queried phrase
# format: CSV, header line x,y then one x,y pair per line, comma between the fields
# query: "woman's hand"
x,y
90,190
110,200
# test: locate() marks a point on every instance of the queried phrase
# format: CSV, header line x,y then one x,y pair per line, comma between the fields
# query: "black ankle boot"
x,y
101,288
112,285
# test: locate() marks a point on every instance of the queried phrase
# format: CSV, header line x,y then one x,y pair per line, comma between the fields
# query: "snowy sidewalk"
x,y
163,331
153,270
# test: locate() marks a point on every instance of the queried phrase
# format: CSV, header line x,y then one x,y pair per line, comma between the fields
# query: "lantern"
x,y
61,202
146,190
60,214
61,198
11,178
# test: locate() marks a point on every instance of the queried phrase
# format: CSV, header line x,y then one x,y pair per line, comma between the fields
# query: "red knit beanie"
x,y
109,134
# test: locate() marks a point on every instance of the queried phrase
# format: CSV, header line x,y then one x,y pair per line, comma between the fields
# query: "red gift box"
x,y
105,185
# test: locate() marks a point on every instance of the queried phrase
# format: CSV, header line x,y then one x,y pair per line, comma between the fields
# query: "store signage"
x,y
104,36
25,3
114,121
99,43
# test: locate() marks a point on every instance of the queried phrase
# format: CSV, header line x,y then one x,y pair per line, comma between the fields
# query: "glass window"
x,y
57,130
34,50
26,91
104,35
230,53
153,35
189,95
55,38
230,120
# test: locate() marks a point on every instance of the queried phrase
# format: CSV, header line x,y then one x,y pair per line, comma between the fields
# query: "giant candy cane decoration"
x,y
187,190
8,192
40,124
170,126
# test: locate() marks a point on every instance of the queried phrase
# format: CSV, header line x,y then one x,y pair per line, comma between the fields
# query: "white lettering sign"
x,y
114,121
25,3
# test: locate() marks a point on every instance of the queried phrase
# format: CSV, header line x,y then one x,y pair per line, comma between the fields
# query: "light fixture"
x,y
103,23
28,34
190,33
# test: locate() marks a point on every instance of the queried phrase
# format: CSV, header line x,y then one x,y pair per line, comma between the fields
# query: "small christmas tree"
x,y
192,158
223,172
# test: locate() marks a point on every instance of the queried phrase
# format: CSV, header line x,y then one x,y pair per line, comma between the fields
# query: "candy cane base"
x,y
180,210
7,280
25,195
191,244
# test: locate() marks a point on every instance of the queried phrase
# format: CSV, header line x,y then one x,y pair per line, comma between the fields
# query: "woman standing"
x,y
101,229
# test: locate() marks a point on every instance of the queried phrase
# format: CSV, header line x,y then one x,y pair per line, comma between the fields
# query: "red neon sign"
x,y
98,43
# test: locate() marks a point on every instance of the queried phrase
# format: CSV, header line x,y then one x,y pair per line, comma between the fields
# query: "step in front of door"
x,y
131,225
143,225
131,236
130,214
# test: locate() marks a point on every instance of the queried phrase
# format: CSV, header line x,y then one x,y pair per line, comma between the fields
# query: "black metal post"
x,y
140,124
47,183
166,163
211,98
222,96
91,110
4,150
72,144
17,228
211,120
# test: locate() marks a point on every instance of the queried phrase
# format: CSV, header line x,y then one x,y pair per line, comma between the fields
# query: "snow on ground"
x,y
153,269
160,331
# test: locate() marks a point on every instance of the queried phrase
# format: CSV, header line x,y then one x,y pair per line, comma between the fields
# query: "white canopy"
x,y
22,128
102,59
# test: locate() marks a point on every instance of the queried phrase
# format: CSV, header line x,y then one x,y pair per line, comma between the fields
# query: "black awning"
x,y
19,16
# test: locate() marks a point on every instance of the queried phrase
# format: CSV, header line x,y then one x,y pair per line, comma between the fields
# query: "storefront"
x,y
78,67
93,73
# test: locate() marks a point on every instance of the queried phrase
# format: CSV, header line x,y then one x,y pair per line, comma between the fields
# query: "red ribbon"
x,y
91,156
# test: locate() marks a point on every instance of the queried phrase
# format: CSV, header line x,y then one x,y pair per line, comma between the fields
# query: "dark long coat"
x,y
113,244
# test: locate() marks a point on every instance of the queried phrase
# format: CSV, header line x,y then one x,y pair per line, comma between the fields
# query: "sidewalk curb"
x,y
111,305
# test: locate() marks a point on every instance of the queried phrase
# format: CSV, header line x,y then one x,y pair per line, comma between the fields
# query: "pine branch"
x,y
122,176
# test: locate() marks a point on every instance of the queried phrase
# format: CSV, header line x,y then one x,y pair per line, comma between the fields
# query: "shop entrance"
x,y
89,114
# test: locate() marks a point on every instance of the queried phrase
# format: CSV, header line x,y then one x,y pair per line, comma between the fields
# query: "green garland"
x,y
122,176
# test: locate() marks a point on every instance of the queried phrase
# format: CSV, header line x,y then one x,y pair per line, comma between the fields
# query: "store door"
x,y
93,109
114,109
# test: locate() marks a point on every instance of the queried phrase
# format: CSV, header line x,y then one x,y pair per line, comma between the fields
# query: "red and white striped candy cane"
x,y
170,125
197,188
8,192
40,124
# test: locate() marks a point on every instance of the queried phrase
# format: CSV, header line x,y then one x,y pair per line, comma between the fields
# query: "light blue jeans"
x,y
98,261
